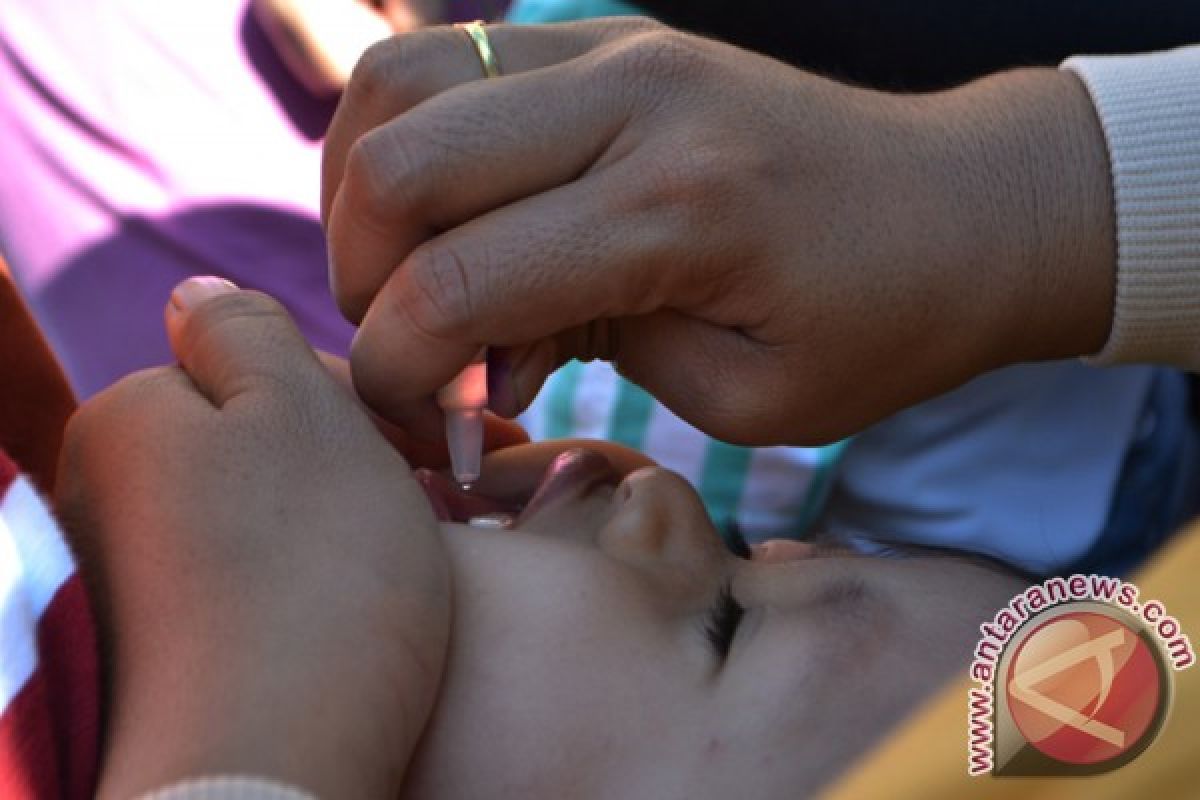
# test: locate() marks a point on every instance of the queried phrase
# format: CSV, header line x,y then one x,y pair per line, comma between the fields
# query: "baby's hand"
x,y
270,581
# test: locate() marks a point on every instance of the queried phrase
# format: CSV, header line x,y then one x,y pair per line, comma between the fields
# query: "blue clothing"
x,y
1157,489
538,11
1044,466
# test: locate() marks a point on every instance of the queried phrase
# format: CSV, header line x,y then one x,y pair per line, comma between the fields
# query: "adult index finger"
x,y
378,166
396,74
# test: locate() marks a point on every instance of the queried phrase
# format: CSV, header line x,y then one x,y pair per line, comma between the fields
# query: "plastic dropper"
x,y
463,400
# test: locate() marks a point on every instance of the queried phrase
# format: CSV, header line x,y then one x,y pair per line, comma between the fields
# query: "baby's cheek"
x,y
523,704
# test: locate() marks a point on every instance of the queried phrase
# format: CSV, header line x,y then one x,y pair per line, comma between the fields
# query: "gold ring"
x,y
483,46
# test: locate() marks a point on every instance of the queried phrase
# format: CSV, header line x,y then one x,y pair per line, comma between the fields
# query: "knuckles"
x,y
689,184
381,173
654,61
390,74
239,305
386,183
439,291
235,308
621,27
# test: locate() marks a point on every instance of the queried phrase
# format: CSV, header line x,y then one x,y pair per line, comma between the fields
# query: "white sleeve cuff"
x,y
1149,107
230,787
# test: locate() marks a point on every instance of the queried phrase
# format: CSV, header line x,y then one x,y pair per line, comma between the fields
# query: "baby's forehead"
x,y
842,586
832,616
878,546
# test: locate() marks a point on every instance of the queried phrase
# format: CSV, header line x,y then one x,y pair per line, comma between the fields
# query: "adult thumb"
x,y
232,342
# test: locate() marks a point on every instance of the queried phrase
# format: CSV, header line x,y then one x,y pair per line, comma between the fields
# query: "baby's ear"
x,y
781,551
230,341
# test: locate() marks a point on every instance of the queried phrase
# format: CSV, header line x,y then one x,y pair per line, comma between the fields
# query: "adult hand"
x,y
271,585
777,257
498,433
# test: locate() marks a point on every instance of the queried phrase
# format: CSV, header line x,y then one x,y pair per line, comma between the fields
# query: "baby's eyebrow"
x,y
849,597
842,589
847,589
827,584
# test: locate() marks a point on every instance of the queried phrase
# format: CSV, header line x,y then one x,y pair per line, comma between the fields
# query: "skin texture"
x,y
262,558
579,666
752,244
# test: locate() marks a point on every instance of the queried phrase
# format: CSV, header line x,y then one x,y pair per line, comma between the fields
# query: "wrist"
x,y
1025,170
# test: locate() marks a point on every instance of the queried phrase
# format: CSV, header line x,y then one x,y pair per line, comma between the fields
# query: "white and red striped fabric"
x,y
49,682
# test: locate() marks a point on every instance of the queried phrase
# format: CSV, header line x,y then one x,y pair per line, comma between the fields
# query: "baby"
x,y
281,595
609,645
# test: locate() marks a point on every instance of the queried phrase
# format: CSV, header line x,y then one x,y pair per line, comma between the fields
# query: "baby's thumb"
x,y
232,341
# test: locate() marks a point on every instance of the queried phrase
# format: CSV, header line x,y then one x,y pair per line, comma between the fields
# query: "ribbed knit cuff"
x,y
230,787
1149,107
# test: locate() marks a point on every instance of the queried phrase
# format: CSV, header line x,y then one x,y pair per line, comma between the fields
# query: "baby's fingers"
x,y
233,342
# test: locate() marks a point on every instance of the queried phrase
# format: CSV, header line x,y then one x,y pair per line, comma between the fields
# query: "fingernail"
x,y
501,393
780,551
195,291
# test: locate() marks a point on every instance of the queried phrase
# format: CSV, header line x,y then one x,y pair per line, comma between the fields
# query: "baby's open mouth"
x,y
451,504
571,474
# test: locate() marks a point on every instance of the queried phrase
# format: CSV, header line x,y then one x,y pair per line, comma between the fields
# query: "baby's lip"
x,y
573,472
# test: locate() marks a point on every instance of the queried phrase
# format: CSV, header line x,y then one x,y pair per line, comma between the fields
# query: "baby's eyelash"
x,y
735,540
723,619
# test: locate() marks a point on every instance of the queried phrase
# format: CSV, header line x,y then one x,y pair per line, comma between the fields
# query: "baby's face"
x,y
599,649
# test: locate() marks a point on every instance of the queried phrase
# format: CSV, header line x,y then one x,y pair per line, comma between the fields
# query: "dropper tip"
x,y
464,439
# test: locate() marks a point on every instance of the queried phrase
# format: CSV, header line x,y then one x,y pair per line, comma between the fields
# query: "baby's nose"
x,y
659,521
